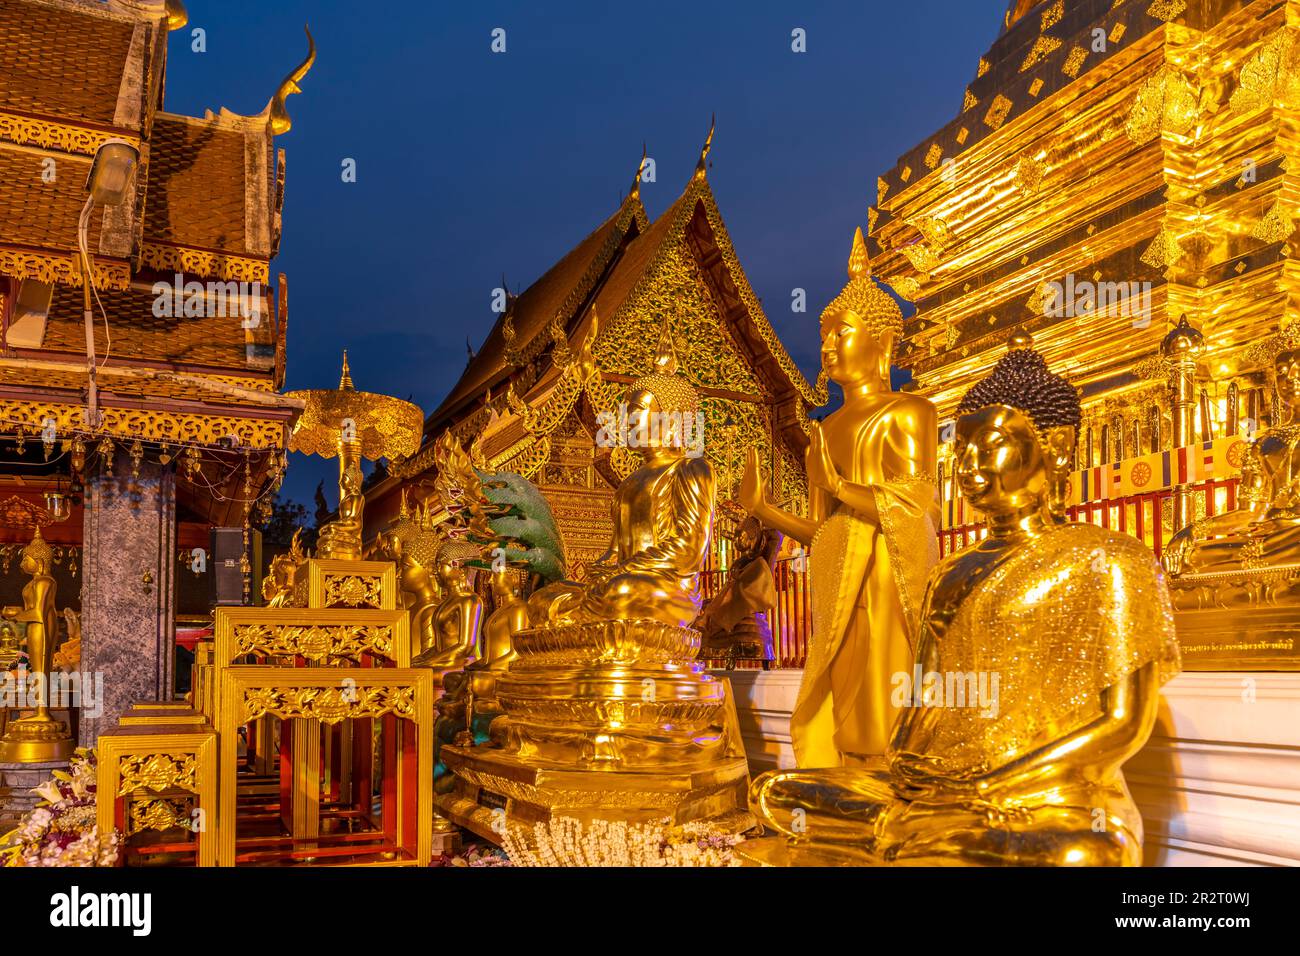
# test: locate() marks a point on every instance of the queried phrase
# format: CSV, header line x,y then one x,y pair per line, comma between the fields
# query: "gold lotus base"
x,y
30,741
488,781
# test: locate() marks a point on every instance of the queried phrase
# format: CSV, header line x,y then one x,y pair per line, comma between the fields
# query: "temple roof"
x,y
609,267
62,61
558,293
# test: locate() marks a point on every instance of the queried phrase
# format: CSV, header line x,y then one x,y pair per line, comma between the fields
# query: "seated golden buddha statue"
x,y
1040,656
871,525
340,539
662,513
456,620
1263,532
509,616
412,542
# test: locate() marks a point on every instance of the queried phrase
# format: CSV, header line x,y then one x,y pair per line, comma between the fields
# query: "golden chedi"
x,y
39,737
871,527
1040,657
607,713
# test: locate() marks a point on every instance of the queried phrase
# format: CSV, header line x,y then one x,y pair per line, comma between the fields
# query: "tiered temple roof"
x,y
524,406
203,207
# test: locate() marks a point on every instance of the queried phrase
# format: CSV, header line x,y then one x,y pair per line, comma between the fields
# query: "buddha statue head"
x,y
663,408
37,556
1015,436
1286,374
452,558
861,326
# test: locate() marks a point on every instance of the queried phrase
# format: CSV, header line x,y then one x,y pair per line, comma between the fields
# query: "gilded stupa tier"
x,y
1113,168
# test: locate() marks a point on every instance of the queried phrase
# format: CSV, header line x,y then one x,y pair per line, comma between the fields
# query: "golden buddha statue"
x,y
340,539
456,620
277,586
38,737
412,543
1263,533
872,517
1040,656
662,512
607,713
509,616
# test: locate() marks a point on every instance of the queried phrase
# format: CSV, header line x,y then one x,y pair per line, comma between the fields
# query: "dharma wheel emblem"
x,y
1141,474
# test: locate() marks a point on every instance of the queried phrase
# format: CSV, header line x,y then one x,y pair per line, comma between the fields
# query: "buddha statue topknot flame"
x,y
871,526
1040,656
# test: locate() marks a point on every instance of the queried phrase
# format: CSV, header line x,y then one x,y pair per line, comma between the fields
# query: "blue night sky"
x,y
472,164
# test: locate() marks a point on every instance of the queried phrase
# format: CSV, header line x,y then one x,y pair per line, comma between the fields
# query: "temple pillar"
x,y
128,589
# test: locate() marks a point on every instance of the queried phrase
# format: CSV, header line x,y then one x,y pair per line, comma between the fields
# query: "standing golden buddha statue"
x,y
40,736
1040,658
872,515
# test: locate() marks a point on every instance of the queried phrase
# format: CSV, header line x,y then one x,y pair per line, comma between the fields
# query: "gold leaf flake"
x,y
962,134
1240,267
1052,15
1268,74
906,286
882,188
1117,33
906,174
1163,252
1074,62
1165,103
1036,87
933,155
997,113
1043,47
970,102
1029,174
983,68
1166,9
1275,226
935,230
872,215
921,256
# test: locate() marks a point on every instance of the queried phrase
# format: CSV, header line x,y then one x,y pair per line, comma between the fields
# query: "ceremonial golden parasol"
x,y
353,425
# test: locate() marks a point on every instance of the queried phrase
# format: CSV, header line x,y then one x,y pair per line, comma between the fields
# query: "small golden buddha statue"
x,y
341,538
1040,657
1263,532
457,619
662,513
509,616
412,543
872,515
277,586
38,737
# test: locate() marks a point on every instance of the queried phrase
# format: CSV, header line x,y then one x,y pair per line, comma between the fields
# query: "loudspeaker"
x,y
227,578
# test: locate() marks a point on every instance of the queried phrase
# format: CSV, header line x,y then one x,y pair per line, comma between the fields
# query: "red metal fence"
x,y
1142,516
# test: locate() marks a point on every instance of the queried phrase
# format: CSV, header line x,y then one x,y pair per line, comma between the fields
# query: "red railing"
x,y
1138,515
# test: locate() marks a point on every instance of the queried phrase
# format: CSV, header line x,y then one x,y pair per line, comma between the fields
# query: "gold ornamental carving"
x,y
315,642
329,705
353,590
26,131
63,269
158,772
201,262
146,424
158,814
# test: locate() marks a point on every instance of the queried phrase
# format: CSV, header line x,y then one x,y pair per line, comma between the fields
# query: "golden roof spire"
x,y
345,380
635,191
277,115
177,16
701,168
